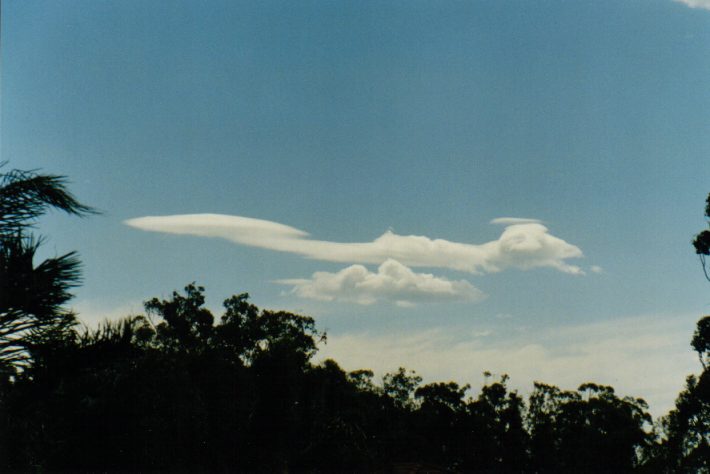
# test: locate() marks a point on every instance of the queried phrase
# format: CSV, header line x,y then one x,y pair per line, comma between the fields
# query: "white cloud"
x,y
695,3
596,269
645,357
514,220
392,282
524,244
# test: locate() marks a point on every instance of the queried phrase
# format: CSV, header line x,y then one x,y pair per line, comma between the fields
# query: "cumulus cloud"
x,y
644,356
695,3
391,282
523,244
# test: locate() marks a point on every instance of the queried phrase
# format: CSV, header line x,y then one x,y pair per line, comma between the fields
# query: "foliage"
x,y
701,242
173,391
400,386
26,195
685,432
685,444
31,296
178,390
588,429
701,341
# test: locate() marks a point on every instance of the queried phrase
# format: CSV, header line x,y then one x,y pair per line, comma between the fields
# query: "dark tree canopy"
x,y
173,390
179,390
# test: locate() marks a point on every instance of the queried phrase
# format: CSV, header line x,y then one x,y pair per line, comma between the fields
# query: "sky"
x,y
453,187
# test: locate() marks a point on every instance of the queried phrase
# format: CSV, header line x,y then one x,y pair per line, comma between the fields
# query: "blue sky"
x,y
354,121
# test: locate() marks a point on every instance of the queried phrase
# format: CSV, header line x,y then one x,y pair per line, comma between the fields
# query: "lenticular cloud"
x,y
523,244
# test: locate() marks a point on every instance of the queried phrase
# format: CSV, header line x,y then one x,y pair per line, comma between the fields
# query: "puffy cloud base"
x,y
391,282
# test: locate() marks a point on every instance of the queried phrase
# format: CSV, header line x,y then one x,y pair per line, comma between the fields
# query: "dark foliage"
x,y
684,445
172,391
31,296
702,240
177,390
27,195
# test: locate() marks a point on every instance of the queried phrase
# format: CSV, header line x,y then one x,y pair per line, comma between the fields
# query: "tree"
x,y
589,430
685,446
400,386
544,407
442,417
702,241
685,431
701,341
497,437
186,325
31,296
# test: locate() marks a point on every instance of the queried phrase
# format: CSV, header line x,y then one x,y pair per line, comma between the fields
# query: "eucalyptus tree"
x,y
701,242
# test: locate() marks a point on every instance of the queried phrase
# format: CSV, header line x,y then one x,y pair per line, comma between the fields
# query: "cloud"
x,y
392,282
596,269
695,3
514,220
644,357
523,244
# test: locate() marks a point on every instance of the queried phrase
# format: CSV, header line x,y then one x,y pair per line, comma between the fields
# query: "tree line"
x,y
178,389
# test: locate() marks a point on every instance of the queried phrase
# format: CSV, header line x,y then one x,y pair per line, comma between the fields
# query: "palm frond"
x,y
39,290
31,297
26,195
121,333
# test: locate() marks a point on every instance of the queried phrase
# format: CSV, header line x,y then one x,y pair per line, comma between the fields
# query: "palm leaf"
x,y
26,195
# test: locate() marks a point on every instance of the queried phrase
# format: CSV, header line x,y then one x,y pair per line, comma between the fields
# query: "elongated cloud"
x,y
696,3
522,245
392,282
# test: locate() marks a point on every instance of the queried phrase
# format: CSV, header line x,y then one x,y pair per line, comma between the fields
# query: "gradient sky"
x,y
355,120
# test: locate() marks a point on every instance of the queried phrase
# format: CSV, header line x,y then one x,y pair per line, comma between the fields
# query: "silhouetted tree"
x,y
701,341
178,390
590,430
401,386
442,419
685,430
496,436
702,240
186,325
31,296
